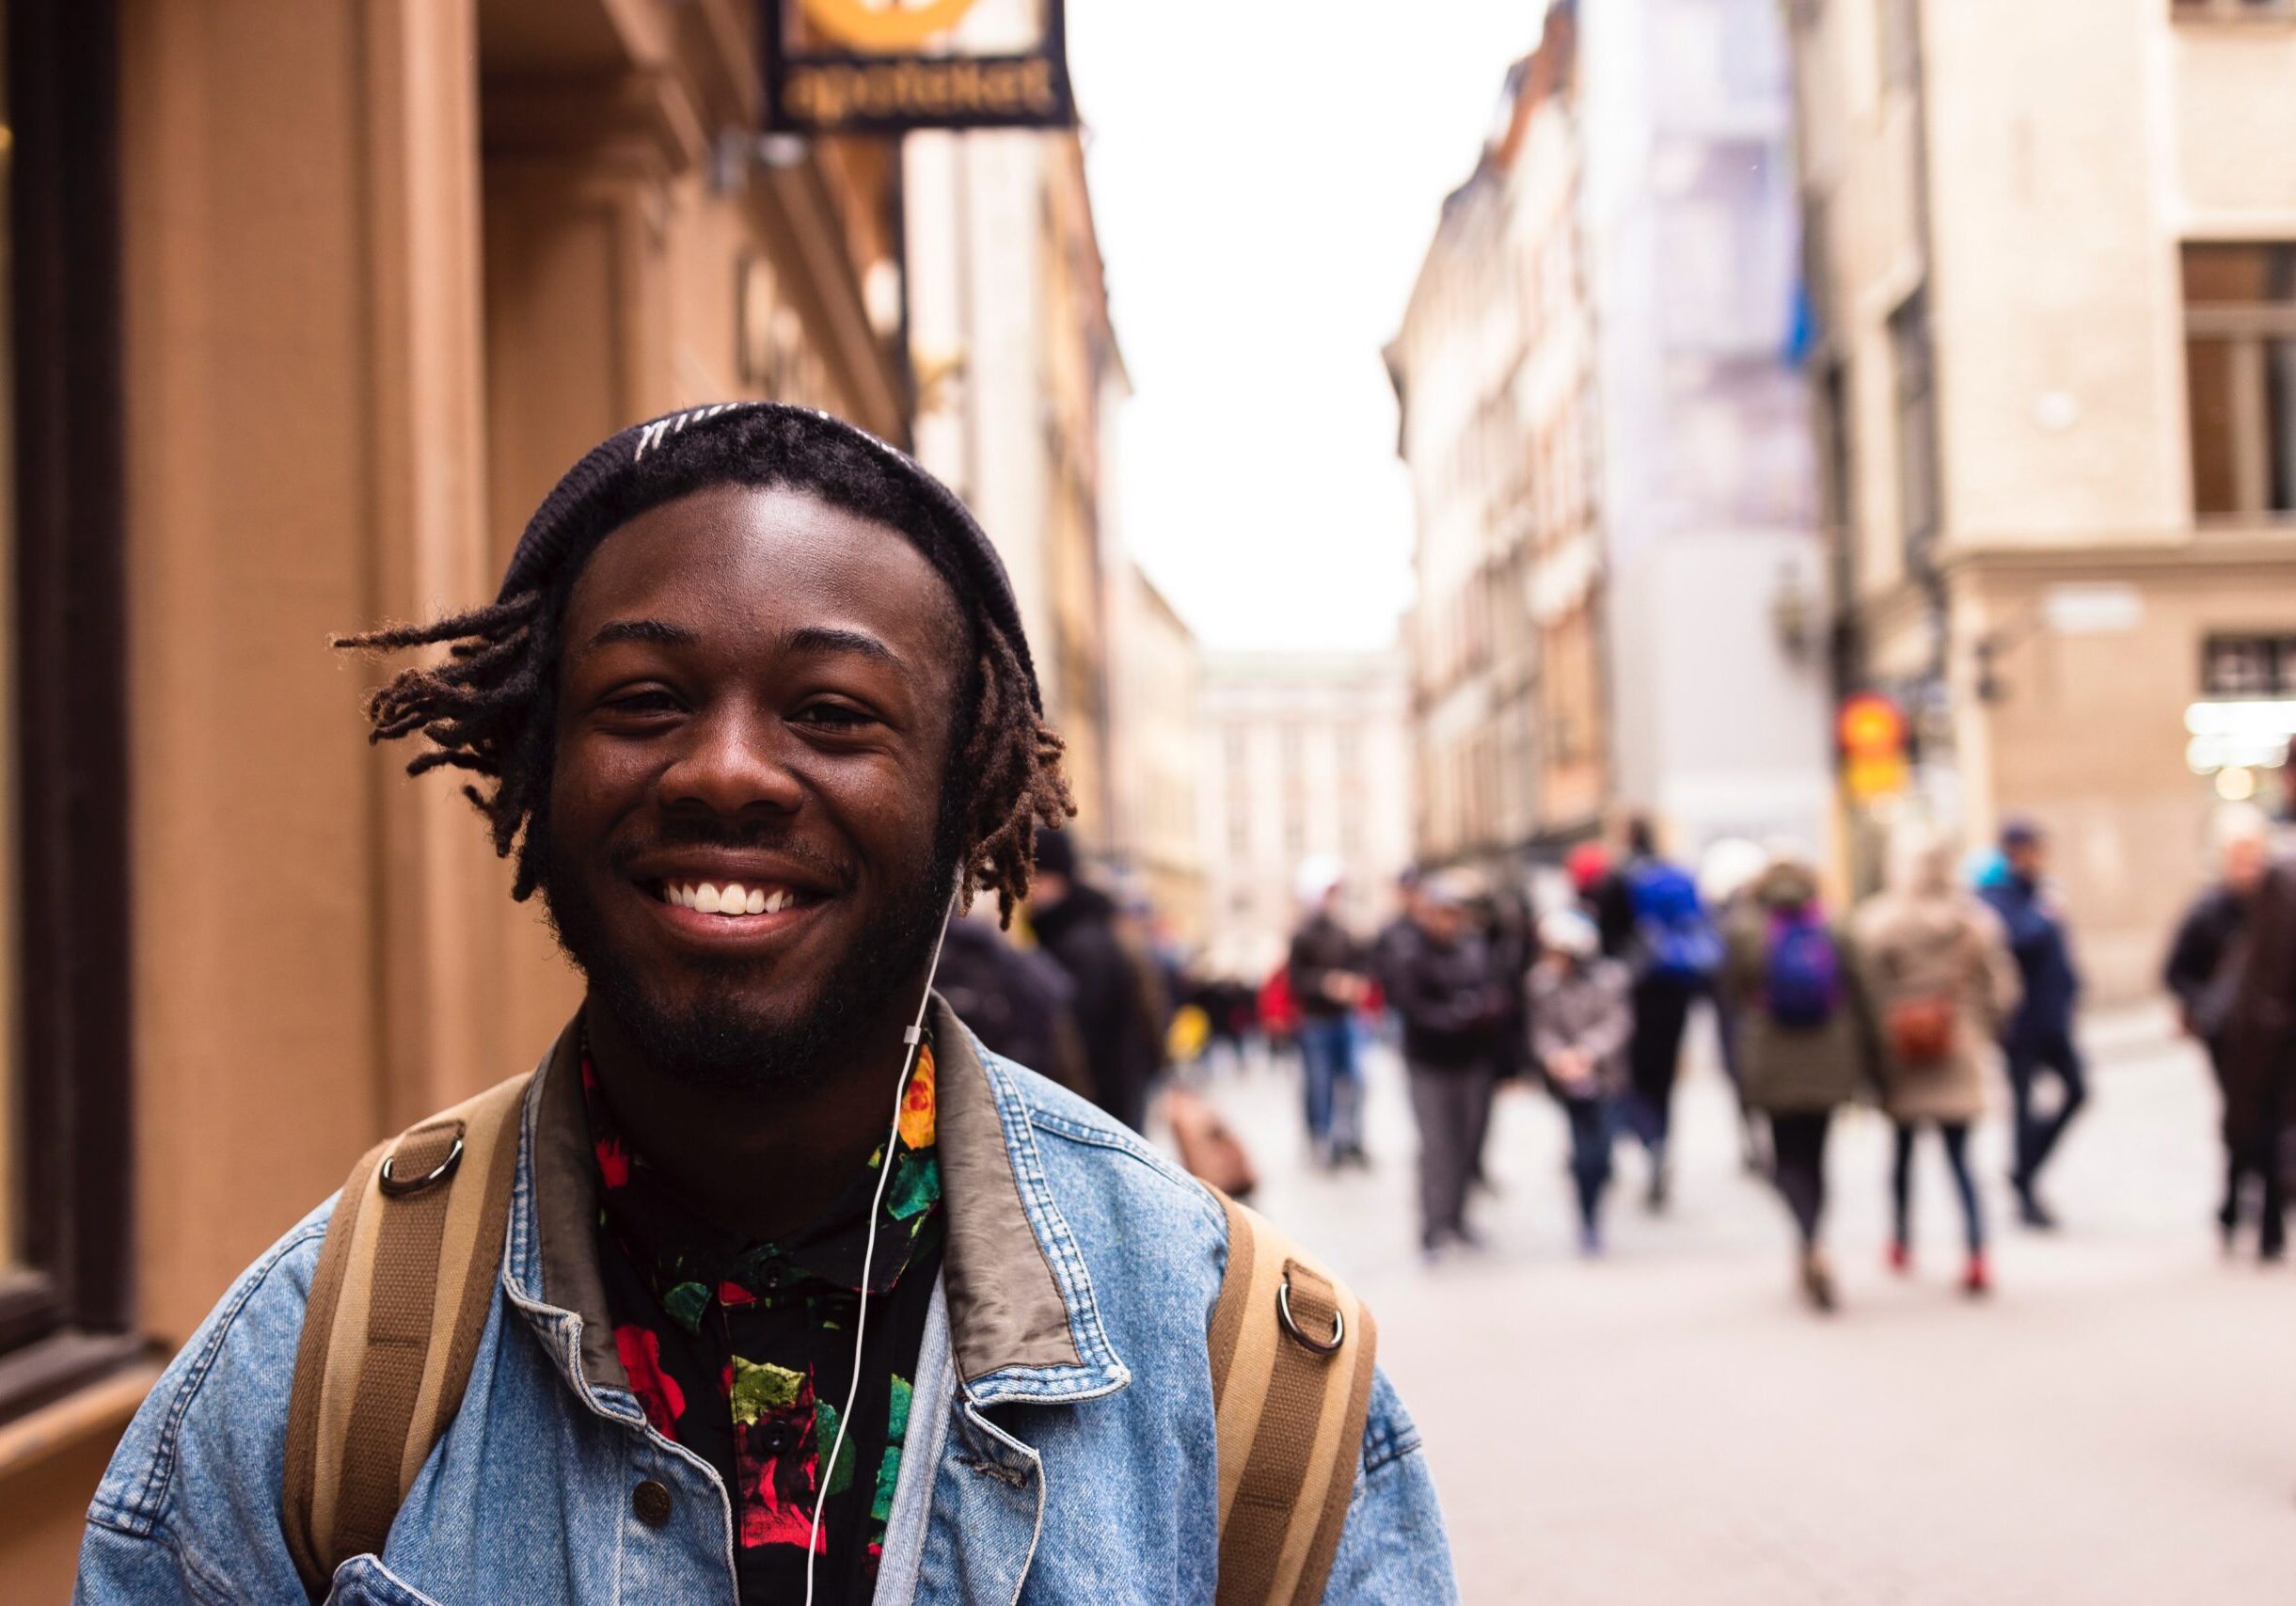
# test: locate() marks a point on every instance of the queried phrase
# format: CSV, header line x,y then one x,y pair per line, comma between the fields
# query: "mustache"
x,y
698,831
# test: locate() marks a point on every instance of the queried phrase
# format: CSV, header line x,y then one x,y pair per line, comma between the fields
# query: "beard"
x,y
736,1036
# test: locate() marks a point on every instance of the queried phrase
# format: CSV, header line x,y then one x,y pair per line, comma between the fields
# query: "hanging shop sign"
x,y
884,67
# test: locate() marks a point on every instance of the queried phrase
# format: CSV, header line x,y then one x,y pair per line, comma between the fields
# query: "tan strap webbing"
x,y
1291,1410
397,1307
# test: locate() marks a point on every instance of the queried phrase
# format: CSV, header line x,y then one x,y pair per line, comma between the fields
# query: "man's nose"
x,y
734,761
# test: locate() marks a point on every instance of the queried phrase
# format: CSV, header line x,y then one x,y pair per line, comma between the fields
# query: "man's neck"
x,y
762,1163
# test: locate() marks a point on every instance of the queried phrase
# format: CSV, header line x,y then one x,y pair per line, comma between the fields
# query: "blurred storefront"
x,y
311,303
2052,260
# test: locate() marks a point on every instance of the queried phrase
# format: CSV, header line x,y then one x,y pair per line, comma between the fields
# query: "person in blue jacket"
x,y
2037,1039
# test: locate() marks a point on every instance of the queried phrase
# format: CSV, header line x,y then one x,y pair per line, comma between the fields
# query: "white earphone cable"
x,y
827,1467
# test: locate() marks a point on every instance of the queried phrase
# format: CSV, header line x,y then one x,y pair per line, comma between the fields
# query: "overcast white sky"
x,y
1266,176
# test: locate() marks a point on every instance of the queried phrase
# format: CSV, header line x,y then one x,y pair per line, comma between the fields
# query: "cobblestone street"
x,y
2117,1423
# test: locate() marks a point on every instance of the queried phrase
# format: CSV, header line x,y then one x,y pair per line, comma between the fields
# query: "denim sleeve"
x,y
188,1510
1393,1547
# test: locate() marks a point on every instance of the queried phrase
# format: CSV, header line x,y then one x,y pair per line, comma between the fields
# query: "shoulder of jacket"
x,y
227,1387
1089,1137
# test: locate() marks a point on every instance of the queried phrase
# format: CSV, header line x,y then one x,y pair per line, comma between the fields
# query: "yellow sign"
x,y
884,28
1871,778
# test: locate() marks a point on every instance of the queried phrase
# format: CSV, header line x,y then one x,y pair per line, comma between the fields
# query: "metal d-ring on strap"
x,y
399,1187
1283,1310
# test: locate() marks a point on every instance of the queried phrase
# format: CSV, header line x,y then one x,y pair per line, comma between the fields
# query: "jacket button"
x,y
650,1500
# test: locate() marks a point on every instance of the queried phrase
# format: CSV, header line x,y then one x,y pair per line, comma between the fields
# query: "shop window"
x,y
64,913
2240,326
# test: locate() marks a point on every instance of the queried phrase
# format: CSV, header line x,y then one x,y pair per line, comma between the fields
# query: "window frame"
x,y
65,1313
2248,329
2232,11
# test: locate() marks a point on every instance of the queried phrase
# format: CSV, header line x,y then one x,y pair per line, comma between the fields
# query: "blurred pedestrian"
x,y
1388,943
2038,1037
1580,1016
1941,981
1328,971
2261,1044
1450,1011
1603,897
2202,975
1805,1038
1676,954
1726,874
1018,1001
1120,1013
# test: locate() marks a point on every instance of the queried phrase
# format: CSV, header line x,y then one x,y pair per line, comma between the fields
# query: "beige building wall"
x,y
1301,754
1158,747
1019,379
389,269
2037,173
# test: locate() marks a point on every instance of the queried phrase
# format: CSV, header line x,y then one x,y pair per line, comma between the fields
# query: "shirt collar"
x,y
1024,1316
693,1262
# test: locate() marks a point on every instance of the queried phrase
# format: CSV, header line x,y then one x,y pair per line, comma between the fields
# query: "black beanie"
x,y
603,491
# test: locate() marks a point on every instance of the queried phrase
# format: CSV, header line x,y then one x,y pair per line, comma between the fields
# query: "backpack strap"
x,y
404,1281
1292,1358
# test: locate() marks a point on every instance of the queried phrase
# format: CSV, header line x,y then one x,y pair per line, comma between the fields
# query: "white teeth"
x,y
707,897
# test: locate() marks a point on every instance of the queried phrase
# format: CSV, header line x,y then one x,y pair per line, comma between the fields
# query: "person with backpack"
x,y
770,1283
1677,953
1579,1023
1805,1038
1941,981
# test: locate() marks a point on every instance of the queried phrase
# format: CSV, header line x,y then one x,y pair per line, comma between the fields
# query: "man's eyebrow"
x,y
832,638
655,633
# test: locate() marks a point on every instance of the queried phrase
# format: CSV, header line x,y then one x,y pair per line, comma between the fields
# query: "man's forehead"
x,y
785,558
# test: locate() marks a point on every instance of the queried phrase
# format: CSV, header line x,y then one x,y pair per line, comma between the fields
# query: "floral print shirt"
x,y
743,1351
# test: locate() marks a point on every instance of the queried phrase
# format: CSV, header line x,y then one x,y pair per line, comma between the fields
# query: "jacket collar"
x,y
1024,1323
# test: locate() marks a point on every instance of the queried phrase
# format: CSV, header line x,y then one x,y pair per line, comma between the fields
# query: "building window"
x,y
2240,357
1913,353
2230,10
64,962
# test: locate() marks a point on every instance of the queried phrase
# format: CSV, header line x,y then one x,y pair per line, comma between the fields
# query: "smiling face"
x,y
746,845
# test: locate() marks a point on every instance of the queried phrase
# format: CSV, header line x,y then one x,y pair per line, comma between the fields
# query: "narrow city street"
x,y
2117,1423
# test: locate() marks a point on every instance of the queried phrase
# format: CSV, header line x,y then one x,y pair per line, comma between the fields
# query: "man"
x,y
1119,1008
1675,953
2205,974
754,711
1451,1013
1327,972
2037,1039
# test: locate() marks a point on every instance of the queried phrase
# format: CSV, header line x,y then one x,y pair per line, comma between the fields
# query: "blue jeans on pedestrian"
x,y
1596,1122
1334,1081
2031,1055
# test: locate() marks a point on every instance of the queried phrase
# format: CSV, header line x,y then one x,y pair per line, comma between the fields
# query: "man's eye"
x,y
834,716
651,701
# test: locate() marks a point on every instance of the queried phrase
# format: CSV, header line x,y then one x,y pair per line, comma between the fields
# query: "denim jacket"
x,y
1061,1439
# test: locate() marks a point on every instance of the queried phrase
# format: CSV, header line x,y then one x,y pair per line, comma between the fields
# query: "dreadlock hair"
x,y
489,704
